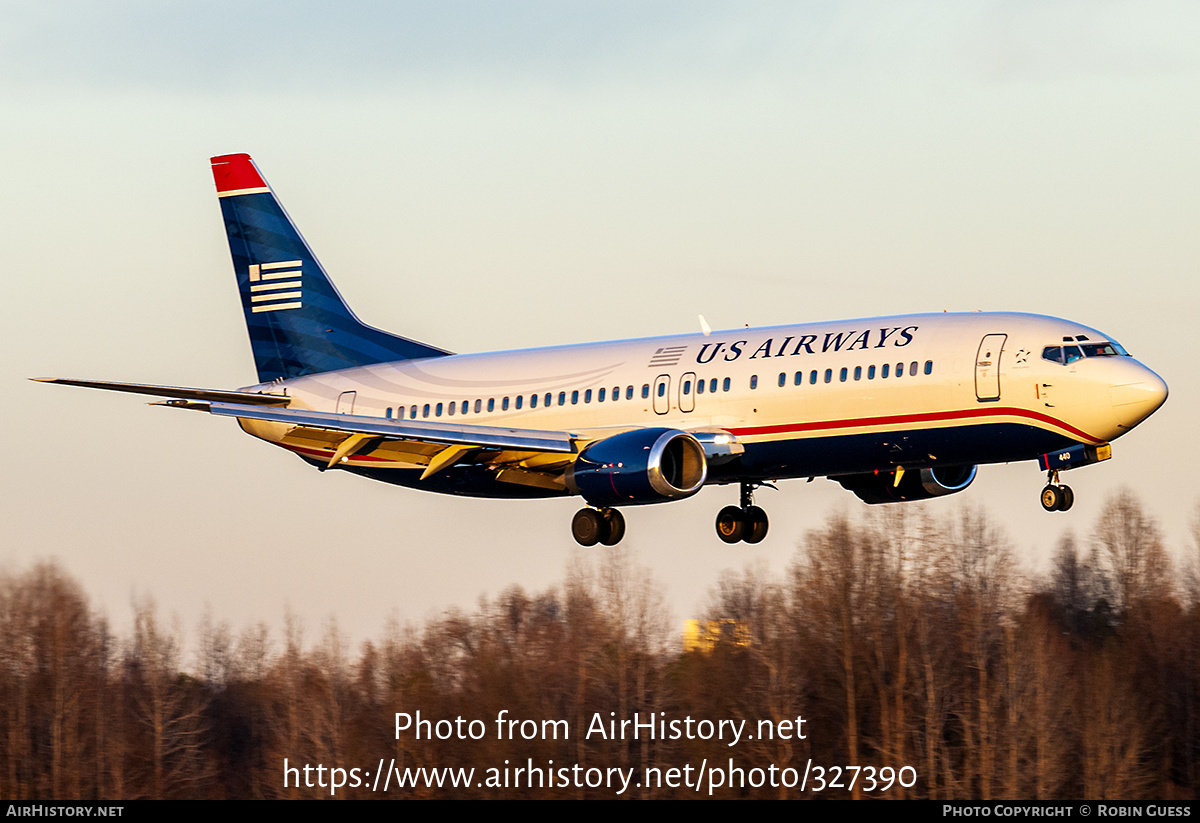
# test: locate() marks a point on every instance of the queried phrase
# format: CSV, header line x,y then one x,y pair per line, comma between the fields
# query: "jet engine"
x,y
639,466
918,484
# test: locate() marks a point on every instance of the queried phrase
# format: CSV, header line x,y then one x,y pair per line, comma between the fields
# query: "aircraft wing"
x,y
530,457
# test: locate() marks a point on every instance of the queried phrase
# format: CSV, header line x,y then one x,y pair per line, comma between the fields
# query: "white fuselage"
x,y
811,399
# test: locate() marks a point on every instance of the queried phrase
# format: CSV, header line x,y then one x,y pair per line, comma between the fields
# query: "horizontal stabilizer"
x,y
453,433
177,392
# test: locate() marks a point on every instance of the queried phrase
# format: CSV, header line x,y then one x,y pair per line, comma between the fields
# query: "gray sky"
x,y
481,175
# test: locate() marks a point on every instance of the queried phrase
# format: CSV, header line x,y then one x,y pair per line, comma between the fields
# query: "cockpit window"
x,y
1069,354
1103,350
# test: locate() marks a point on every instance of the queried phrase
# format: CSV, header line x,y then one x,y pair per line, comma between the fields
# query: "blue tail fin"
x,y
298,322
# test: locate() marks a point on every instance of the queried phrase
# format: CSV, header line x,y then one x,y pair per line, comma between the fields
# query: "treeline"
x,y
902,639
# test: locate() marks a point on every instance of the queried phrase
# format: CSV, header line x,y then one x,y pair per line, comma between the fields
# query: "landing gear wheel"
x,y
730,525
587,527
614,527
1067,498
1052,498
756,524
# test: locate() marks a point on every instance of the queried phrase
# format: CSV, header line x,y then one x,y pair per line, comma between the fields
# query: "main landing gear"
x,y
592,526
1056,497
746,523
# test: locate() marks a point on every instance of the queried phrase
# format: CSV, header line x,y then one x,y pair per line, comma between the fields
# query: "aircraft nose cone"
x,y
1136,393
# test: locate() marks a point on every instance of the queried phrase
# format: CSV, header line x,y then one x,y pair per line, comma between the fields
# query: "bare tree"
x,y
1129,544
169,706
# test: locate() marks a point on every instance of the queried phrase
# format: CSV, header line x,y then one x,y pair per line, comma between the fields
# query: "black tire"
x,y
730,524
587,527
1068,498
614,527
756,525
1051,498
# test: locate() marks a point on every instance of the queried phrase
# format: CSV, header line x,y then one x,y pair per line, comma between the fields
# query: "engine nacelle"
x,y
639,466
919,484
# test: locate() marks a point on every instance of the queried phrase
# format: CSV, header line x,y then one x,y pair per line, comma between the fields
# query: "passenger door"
x,y
987,368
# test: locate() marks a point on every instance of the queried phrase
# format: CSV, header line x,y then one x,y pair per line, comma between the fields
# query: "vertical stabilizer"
x,y
298,322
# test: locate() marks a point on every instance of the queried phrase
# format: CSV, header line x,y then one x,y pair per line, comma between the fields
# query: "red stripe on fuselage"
x,y
906,419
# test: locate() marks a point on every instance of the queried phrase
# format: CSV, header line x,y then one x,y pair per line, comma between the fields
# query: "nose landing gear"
x,y
747,523
592,526
1056,497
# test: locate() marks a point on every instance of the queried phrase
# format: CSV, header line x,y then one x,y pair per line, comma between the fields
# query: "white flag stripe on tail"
x,y
283,295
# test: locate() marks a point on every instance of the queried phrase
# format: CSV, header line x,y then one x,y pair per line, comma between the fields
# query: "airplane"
x,y
892,408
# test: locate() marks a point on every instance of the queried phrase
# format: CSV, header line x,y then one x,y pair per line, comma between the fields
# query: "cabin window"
x,y
782,379
520,400
725,385
600,395
858,372
491,404
504,404
587,396
438,412
478,406
812,376
870,372
843,375
712,386
548,398
645,390
912,368
929,367
453,408
799,379
883,371
413,412
754,381
425,411
687,386
388,413
575,398
899,369
829,375
699,387
533,401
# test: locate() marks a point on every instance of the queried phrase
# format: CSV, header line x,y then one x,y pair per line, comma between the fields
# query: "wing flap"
x,y
496,437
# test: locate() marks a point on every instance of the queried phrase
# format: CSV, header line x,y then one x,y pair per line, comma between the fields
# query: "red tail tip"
x,y
233,172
